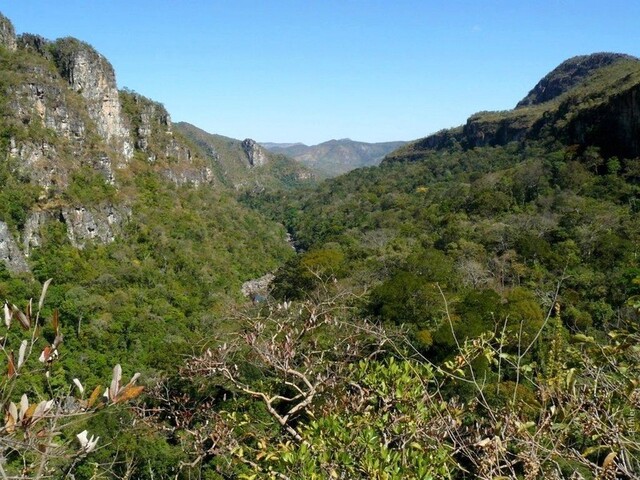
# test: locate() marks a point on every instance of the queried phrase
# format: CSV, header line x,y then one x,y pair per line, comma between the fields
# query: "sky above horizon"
x,y
311,71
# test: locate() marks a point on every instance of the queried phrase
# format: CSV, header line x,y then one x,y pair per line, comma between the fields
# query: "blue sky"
x,y
310,71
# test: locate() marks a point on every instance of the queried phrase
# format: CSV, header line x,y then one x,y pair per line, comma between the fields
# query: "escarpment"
x,y
591,100
68,135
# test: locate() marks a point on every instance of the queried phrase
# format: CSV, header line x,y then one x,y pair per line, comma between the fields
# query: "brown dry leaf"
x,y
22,318
29,413
46,353
129,393
11,368
94,396
609,459
10,423
11,417
56,322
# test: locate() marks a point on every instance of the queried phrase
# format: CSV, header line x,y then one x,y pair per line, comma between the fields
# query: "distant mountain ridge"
x,y
335,157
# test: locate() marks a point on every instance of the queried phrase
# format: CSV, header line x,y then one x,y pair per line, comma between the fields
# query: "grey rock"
x,y
92,76
259,287
10,254
152,132
92,225
31,232
99,224
7,33
255,153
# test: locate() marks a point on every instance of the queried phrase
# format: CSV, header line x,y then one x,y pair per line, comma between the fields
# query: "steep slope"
x,y
336,157
245,164
597,107
133,221
567,75
71,145
77,150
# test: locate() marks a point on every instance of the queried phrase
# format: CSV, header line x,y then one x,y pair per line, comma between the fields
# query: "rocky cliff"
x,y
10,254
586,101
567,75
91,75
256,155
7,34
65,131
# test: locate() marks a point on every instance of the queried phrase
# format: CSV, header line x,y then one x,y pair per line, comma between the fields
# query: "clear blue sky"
x,y
310,71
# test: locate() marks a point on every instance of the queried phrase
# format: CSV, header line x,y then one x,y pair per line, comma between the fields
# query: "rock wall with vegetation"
x,y
588,100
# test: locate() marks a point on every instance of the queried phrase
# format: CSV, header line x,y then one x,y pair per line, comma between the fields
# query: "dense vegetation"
x,y
512,266
462,311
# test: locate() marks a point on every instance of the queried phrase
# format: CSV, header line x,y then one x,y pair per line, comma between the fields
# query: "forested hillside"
x,y
144,241
245,165
506,253
468,309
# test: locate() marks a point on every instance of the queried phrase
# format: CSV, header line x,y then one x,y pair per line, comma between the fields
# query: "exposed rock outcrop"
x,y
152,131
10,254
592,100
255,153
567,75
258,288
41,117
63,121
7,33
36,44
613,126
92,76
485,130
83,224
95,224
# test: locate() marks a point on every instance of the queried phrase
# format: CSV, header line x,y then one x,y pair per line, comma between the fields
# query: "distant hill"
x,y
244,163
335,157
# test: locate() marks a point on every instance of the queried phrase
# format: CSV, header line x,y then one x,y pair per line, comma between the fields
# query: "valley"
x,y
464,305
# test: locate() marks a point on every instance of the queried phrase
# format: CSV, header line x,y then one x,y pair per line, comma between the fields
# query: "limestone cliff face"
x,y
98,223
256,155
7,33
153,135
41,115
92,76
10,254
62,118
